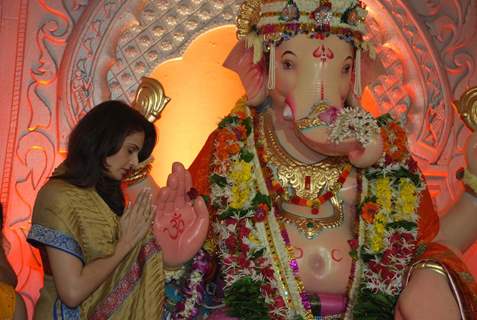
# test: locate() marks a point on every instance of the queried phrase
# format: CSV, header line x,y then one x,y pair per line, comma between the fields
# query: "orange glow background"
x,y
201,91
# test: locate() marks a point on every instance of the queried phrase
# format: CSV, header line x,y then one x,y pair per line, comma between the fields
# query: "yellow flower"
x,y
241,172
377,244
408,199
384,193
253,238
240,196
377,239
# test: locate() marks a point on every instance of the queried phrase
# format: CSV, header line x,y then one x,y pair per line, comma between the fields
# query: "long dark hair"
x,y
98,135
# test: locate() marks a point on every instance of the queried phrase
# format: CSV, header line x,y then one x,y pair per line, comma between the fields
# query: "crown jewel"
x,y
273,21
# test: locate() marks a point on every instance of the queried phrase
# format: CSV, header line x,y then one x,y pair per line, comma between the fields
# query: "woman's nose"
x,y
134,161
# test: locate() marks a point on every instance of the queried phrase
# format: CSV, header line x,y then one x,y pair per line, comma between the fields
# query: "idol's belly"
x,y
324,263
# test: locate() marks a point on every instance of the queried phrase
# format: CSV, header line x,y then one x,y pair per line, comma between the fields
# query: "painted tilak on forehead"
x,y
324,53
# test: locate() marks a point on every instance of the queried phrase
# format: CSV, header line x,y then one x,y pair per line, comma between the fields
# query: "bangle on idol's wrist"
x,y
430,265
140,172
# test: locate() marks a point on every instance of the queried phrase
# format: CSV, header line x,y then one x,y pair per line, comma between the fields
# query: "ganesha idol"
x,y
301,205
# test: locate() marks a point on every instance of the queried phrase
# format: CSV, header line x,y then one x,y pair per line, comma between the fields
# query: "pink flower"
x,y
329,115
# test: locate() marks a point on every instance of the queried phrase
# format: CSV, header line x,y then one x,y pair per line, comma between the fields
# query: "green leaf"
x,y
261,198
248,125
246,155
218,180
421,248
370,305
245,301
206,198
384,120
258,253
230,212
408,225
228,120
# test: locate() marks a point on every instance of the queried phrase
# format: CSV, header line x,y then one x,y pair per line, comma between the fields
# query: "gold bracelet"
x,y
138,175
470,180
430,265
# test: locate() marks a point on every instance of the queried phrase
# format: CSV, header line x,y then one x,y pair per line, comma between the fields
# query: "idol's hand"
x,y
359,156
181,223
427,296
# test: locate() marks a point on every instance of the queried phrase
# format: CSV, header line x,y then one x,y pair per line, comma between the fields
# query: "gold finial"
x,y
150,99
467,107
248,17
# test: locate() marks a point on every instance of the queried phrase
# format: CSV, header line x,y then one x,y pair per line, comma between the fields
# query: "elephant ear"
x,y
253,76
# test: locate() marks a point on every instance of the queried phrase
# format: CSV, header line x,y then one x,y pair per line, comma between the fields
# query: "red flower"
x,y
243,260
412,165
243,232
244,247
267,289
231,243
279,303
260,213
387,274
230,221
368,211
241,114
268,273
240,132
353,243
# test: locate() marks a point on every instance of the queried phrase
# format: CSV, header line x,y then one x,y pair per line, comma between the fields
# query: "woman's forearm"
x,y
75,282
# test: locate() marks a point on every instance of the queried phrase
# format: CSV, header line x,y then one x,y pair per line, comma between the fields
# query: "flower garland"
x,y
388,226
194,289
239,208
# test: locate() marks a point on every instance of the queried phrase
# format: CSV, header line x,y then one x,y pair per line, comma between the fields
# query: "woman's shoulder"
x,y
59,193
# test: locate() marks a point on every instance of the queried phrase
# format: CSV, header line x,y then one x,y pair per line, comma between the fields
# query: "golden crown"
x,y
273,21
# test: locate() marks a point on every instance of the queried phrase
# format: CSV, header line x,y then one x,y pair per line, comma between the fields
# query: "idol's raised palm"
x,y
181,223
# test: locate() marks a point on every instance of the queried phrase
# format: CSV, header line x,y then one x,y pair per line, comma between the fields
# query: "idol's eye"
x,y
288,65
346,68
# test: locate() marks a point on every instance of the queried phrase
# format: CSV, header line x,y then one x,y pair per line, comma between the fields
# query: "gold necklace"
x,y
311,227
307,180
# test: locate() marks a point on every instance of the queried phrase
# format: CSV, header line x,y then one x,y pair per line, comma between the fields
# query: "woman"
x,y
99,258
11,303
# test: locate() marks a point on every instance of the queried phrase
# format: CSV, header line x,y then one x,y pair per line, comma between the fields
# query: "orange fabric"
x,y
7,301
428,219
199,169
465,282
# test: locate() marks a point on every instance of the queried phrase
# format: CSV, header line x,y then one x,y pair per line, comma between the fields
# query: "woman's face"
x,y
120,163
